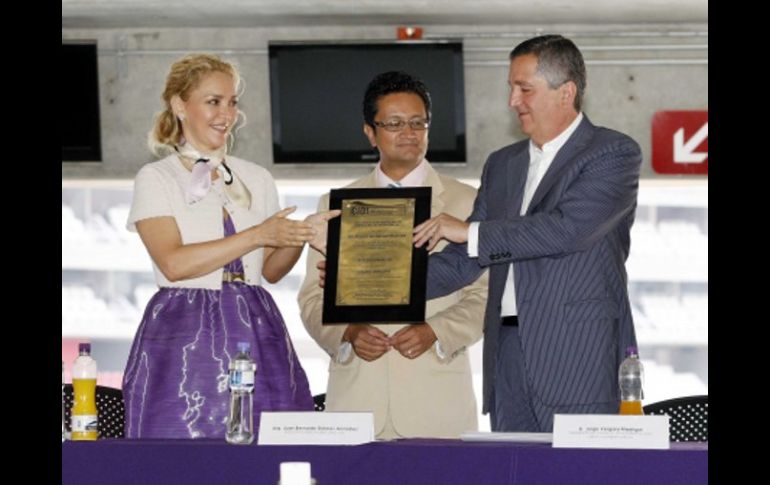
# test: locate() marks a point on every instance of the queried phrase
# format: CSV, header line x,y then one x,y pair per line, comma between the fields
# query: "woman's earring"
x,y
181,118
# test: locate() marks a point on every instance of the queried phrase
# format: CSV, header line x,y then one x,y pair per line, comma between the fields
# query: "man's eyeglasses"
x,y
416,124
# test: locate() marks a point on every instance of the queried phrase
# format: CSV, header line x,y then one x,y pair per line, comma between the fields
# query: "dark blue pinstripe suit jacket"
x,y
569,252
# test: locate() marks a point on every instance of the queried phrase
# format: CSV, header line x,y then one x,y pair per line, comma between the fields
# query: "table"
x,y
412,461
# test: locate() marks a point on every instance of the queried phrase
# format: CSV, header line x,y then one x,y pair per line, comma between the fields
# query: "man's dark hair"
x,y
558,61
388,83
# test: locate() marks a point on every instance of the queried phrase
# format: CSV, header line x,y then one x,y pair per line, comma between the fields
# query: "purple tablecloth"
x,y
416,462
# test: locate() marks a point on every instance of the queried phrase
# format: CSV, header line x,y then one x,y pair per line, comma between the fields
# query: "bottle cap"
x,y
84,348
631,350
244,346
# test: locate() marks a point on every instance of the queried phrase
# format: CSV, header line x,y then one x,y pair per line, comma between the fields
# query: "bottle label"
x,y
247,379
241,381
84,423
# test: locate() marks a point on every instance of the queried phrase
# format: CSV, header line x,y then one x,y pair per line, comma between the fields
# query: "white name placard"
x,y
314,428
610,431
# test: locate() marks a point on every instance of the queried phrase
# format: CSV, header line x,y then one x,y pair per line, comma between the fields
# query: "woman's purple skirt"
x,y
175,383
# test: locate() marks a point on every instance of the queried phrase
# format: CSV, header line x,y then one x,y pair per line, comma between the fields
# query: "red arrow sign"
x,y
680,142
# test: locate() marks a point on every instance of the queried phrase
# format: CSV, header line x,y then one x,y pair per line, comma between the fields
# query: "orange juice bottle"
x,y
84,421
631,407
630,377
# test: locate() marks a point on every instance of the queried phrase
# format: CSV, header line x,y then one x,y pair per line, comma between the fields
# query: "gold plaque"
x,y
375,257
373,271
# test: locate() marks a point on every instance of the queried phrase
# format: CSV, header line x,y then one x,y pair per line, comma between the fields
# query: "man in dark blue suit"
x,y
551,221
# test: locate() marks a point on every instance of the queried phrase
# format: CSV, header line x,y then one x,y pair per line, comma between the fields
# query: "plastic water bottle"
x,y
240,422
630,378
84,420
63,428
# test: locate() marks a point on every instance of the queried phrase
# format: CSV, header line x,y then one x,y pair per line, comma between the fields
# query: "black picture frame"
x,y
414,312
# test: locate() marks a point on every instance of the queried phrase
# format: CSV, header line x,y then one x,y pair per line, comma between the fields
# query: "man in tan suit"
x,y
415,378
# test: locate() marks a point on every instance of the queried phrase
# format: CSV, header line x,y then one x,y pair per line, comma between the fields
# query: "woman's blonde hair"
x,y
184,76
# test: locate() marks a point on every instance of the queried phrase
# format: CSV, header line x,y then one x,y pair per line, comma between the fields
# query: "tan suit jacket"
x,y
426,396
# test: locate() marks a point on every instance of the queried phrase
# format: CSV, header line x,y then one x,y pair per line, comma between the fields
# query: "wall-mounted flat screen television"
x,y
317,90
79,103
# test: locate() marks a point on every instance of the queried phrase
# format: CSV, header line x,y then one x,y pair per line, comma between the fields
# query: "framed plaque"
x,y
373,271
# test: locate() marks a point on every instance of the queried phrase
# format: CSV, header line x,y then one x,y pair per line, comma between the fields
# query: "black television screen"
x,y
317,90
79,112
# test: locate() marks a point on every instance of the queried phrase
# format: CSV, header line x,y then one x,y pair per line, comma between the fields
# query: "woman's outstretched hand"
x,y
319,221
279,231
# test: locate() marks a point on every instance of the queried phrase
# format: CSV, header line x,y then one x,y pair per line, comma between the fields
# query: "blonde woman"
x,y
213,228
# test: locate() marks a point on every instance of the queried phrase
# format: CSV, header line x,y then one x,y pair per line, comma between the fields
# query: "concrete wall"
x,y
634,70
